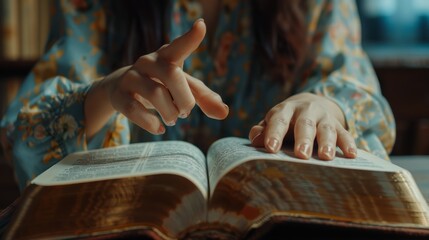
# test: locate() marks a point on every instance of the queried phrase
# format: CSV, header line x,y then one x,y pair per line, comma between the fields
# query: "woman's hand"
x,y
155,82
306,117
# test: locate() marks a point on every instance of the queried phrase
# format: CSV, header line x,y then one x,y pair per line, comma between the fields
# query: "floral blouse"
x,y
45,122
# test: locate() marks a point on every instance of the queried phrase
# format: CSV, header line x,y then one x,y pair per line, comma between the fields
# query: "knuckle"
x,y
157,93
130,75
279,113
161,52
281,121
172,72
143,60
327,128
306,122
131,107
280,107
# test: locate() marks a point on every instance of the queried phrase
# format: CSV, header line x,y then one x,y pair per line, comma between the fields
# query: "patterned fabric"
x,y
46,121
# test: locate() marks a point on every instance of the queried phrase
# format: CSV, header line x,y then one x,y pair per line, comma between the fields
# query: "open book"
x,y
170,190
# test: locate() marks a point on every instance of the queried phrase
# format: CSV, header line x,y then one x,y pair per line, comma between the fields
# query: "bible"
x,y
171,190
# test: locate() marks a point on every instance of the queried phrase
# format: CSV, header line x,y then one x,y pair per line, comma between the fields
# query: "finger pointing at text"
x,y
156,81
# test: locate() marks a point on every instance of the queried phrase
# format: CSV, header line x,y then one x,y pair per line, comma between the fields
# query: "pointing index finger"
x,y
180,48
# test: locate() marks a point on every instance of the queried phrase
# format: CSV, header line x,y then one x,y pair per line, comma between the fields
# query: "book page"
x,y
249,186
173,157
227,153
259,189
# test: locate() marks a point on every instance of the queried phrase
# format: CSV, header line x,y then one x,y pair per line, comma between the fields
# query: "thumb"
x,y
180,48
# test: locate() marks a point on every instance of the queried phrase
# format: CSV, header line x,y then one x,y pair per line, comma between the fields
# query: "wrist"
x,y
97,107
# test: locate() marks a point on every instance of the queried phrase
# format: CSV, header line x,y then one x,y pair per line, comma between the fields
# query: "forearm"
x,y
98,105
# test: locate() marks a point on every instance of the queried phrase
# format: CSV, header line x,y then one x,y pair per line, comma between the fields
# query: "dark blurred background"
x,y
395,34
395,31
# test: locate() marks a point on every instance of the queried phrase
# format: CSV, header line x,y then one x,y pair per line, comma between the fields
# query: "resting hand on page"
x,y
307,117
156,81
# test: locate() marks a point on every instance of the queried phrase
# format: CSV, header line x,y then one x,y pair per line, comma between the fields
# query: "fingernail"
x,y
183,115
199,20
161,129
226,107
257,135
352,151
171,123
273,144
328,151
304,149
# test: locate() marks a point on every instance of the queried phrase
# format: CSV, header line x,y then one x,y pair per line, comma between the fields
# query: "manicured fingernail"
x,y
304,149
328,151
273,144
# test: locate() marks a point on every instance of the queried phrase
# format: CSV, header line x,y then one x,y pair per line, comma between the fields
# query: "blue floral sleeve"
x,y
45,122
340,70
